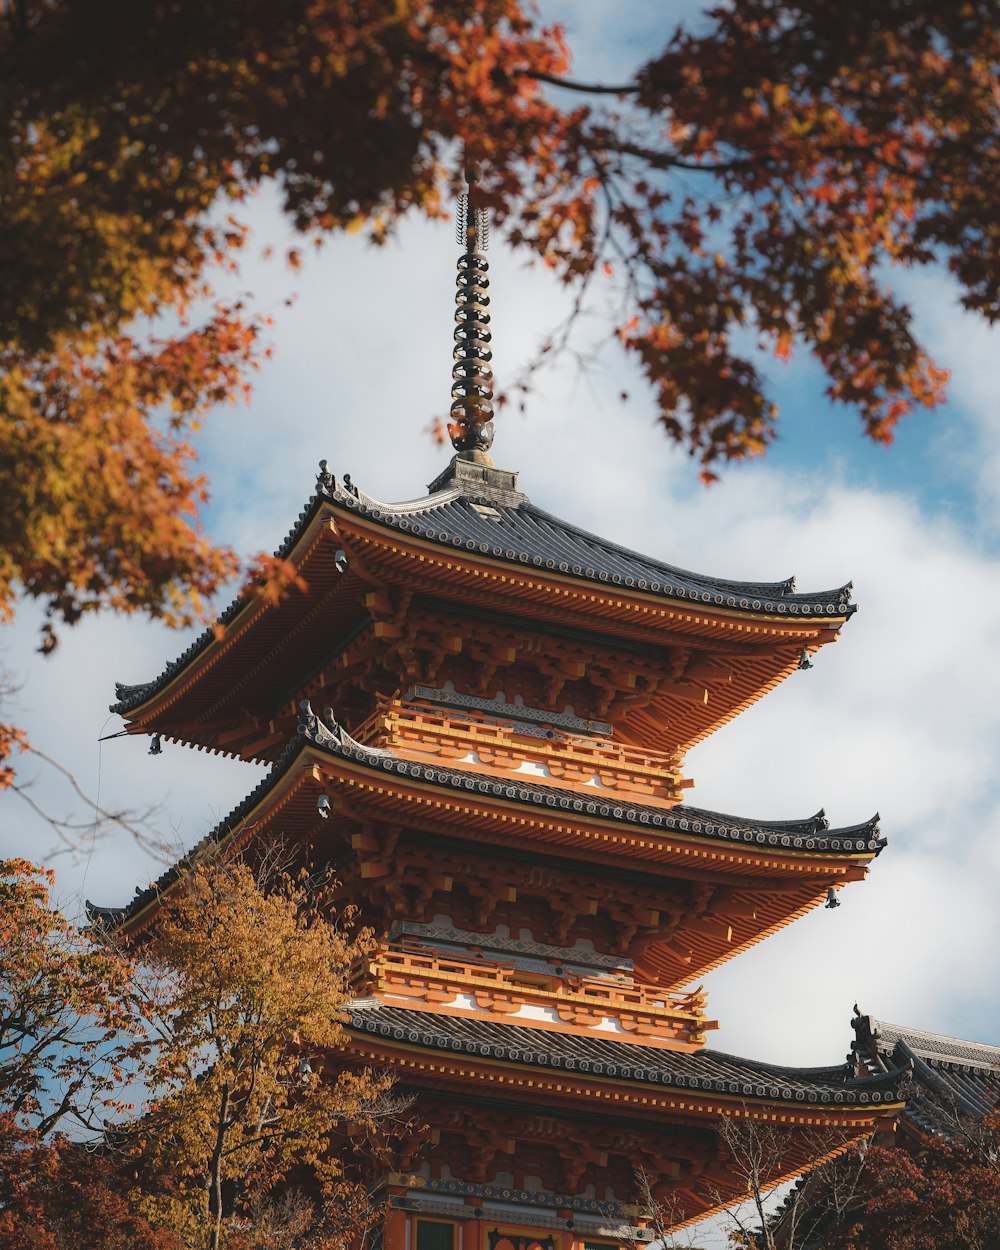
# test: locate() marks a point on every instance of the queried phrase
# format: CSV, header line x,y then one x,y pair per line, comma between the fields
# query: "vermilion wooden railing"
x,y
560,758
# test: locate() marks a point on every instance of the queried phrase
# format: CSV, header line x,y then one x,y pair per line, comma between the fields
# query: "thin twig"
x,y
104,819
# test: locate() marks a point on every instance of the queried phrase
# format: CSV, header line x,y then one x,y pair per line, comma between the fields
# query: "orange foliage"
x,y
11,739
249,980
59,1194
246,976
824,149
67,1023
941,1195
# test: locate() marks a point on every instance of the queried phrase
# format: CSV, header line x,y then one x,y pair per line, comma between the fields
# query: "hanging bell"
x,y
831,898
804,661
155,746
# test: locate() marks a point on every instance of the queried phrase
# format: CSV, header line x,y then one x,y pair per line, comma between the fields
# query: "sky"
x,y
900,716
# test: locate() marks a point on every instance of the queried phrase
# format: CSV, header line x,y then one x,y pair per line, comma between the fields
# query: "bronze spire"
x,y
471,425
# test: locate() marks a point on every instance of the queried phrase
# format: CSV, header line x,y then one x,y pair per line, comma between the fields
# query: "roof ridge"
x,y
705,1069
328,734
682,819
784,586
509,530
760,596
938,1047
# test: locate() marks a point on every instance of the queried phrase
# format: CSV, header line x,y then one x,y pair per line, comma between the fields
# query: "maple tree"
x,y
943,1194
67,1025
934,1190
246,979
750,185
57,1195
225,1015
69,1037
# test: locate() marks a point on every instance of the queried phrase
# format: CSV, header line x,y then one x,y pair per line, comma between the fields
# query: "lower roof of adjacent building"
x,y
953,1080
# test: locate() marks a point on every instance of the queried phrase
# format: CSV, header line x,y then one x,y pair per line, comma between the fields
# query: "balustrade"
x,y
575,999
506,746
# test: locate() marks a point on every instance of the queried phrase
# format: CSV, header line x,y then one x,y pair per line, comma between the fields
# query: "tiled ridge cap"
x,y
428,504
810,835
938,1048
709,1071
934,1079
783,588
130,696
767,597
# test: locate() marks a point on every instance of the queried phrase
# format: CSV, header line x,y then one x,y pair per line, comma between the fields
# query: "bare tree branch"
x,y
77,835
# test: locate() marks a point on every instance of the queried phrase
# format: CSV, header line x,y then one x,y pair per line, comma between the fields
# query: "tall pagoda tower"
x,y
477,716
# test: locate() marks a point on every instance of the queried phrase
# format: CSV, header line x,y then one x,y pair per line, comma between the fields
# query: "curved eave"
x,y
137,702
775,872
934,1047
648,829
267,798
536,539
622,1074
486,579
955,1080
685,841
654,1092
682,601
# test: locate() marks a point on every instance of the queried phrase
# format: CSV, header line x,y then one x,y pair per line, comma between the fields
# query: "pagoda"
x,y
476,715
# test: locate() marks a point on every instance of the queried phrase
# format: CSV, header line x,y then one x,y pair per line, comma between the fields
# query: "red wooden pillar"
x,y
469,1230
398,1234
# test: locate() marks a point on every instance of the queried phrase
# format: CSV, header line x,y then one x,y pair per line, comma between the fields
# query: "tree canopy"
x,y
936,1190
247,973
940,1194
67,1020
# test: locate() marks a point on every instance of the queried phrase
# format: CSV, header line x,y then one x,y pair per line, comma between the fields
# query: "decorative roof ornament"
x,y
471,425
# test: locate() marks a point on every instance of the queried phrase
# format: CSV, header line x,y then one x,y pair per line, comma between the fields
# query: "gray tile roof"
x,y
521,533
502,524
811,835
706,1070
952,1079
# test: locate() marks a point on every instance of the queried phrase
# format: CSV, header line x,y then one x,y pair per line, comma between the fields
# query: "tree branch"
x,y
665,160
587,88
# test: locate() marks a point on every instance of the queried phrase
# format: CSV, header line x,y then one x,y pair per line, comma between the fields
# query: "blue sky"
x,y
900,716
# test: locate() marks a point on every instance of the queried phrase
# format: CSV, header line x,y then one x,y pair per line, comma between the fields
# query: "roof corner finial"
x,y
471,425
